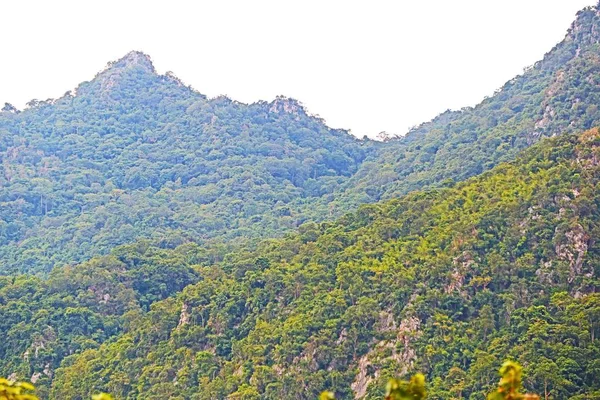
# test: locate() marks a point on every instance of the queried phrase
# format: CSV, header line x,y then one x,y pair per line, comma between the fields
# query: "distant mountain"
x,y
449,282
133,154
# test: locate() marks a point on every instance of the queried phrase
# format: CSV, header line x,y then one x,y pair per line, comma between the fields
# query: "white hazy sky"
x,y
368,66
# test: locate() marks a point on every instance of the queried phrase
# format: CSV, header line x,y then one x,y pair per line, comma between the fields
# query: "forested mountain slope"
x,y
449,282
559,94
42,321
133,154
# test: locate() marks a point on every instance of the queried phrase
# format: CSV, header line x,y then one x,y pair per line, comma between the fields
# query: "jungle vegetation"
x,y
157,244
133,155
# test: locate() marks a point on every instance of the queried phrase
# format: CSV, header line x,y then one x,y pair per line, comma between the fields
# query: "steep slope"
x,y
134,154
559,94
77,308
449,282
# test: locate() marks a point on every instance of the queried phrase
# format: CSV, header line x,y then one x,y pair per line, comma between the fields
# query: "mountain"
x,y
134,154
136,206
559,94
137,155
449,282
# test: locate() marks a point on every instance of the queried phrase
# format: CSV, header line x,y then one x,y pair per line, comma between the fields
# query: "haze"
x,y
366,66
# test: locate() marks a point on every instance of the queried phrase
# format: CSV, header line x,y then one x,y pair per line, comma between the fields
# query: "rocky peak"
x,y
287,105
585,30
133,59
583,33
116,72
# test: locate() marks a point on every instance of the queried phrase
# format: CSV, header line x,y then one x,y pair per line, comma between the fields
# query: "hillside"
x,y
135,155
559,94
77,308
449,282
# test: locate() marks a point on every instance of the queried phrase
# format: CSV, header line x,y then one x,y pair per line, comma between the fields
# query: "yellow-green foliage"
x,y
102,396
510,384
508,389
16,390
456,280
402,390
10,390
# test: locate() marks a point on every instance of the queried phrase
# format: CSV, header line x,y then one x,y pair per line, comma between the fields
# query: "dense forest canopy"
x,y
449,282
133,154
156,244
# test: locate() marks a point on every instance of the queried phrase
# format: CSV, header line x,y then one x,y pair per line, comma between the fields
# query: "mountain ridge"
x,y
141,62
132,130
133,258
549,98
188,161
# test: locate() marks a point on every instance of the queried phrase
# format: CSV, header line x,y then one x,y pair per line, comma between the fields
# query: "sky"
x,y
367,66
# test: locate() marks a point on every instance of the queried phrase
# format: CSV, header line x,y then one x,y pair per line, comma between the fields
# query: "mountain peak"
x,y
133,59
583,35
283,104
133,64
585,28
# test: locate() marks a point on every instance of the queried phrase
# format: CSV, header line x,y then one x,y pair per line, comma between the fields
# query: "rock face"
x,y
584,29
399,351
573,250
184,317
362,380
286,105
134,61
582,34
456,279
